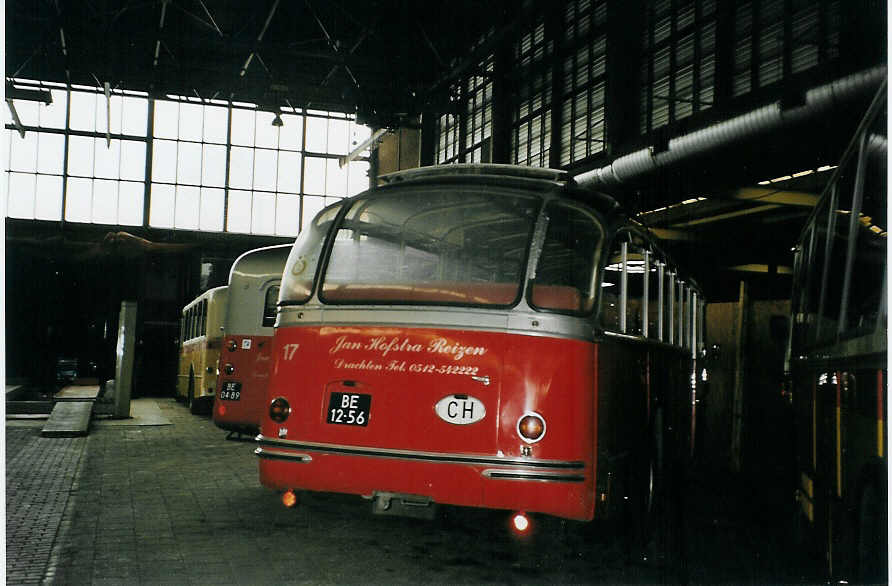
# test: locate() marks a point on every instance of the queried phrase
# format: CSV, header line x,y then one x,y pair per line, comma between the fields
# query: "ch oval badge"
x,y
460,409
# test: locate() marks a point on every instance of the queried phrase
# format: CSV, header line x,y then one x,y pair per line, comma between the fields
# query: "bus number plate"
x,y
231,391
349,409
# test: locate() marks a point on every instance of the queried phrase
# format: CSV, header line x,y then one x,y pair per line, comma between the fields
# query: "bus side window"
x,y
203,328
654,296
635,290
269,306
611,283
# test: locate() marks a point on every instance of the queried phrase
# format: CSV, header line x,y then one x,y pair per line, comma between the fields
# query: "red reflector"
x,y
221,411
531,427
279,409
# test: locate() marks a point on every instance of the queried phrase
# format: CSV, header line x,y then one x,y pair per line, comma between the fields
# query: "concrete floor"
x,y
165,499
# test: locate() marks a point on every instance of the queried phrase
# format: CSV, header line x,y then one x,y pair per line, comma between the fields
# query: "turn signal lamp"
x,y
531,427
233,346
289,499
228,368
520,523
279,410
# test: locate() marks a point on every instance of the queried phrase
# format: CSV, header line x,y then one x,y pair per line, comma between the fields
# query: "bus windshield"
x,y
434,245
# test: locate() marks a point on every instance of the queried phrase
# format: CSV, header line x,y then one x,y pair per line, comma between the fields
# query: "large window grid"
x,y
214,166
531,119
447,139
478,134
774,39
679,61
584,80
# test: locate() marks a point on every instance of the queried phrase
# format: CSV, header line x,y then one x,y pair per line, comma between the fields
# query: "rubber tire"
x,y
190,392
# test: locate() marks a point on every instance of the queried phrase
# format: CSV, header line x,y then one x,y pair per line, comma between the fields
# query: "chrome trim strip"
x,y
421,456
279,455
517,321
528,475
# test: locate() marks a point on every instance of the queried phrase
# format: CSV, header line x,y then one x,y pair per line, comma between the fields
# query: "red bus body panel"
x,y
251,363
406,447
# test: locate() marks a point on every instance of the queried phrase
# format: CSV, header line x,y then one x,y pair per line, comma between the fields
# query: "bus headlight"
x,y
228,368
279,410
531,427
232,346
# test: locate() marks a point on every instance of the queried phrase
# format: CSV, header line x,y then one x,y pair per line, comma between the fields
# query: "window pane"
x,y
263,218
265,164
28,111
288,176
161,206
53,115
213,166
79,200
291,135
566,268
216,120
165,119
191,117
130,203
50,153
211,210
312,206
358,177
243,127
49,198
106,111
186,214
189,163
164,161
267,134
80,156
105,202
239,213
21,196
23,152
108,158
133,160
135,116
241,168
287,214
336,178
317,133
83,111
314,176
338,137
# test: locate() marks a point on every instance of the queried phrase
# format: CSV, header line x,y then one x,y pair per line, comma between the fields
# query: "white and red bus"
x,y
247,338
480,335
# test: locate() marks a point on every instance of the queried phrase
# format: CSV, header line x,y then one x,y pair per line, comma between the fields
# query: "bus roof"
x,y
210,293
260,262
491,169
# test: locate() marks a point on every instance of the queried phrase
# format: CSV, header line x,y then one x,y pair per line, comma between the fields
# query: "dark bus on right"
x,y
837,363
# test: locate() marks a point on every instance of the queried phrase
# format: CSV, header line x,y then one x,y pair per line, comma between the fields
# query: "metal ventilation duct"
x,y
819,101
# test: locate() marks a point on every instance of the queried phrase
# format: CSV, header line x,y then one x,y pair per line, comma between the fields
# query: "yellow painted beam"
x,y
727,215
766,195
760,268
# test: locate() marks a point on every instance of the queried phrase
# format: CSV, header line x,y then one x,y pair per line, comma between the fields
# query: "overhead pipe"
x,y
818,101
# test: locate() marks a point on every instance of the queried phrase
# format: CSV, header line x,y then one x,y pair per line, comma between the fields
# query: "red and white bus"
x,y
480,335
247,338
